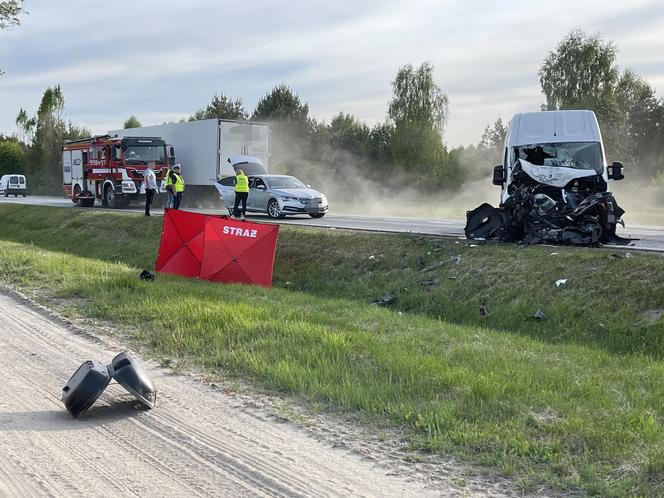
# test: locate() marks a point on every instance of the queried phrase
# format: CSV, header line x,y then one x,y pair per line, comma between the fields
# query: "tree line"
x,y
409,145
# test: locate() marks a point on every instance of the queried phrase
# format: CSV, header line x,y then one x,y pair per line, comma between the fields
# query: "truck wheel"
x,y
273,210
110,199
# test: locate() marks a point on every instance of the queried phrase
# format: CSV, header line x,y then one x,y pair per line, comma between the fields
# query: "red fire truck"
x,y
110,168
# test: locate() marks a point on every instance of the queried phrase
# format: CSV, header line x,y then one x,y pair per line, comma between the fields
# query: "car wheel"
x,y
316,215
109,197
273,210
6,194
24,195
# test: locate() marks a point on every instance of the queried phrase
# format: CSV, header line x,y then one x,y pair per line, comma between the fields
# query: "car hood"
x,y
306,193
554,176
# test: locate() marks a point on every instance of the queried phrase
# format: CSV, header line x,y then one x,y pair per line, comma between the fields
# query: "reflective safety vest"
x,y
241,183
179,183
169,180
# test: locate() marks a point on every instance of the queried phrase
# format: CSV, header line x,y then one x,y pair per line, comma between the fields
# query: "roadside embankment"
x,y
570,401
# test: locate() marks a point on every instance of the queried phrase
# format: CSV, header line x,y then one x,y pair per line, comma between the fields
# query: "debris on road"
x,y
386,300
146,275
92,377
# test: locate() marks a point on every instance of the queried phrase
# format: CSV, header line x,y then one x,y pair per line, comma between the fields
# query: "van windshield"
x,y
575,155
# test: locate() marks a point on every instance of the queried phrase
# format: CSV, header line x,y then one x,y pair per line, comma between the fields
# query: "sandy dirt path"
x,y
194,443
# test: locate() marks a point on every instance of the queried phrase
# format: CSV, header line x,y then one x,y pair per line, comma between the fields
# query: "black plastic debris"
x,y
581,212
146,275
92,377
539,314
484,311
386,300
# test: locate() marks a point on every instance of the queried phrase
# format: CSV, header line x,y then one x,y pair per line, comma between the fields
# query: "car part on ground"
x,y
92,377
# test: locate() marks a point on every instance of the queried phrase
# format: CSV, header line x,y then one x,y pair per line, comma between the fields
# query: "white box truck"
x,y
554,184
203,148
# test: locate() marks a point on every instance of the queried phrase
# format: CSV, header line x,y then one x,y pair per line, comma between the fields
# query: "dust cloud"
x,y
353,186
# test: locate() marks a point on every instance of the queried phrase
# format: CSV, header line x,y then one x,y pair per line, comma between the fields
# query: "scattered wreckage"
x,y
92,377
554,184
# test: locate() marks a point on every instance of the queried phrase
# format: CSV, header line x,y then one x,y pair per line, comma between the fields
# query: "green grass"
x,y
573,402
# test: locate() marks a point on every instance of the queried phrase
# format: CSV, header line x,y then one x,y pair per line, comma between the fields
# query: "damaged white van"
x,y
554,180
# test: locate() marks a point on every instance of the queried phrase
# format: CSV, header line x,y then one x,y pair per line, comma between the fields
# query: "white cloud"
x,y
162,60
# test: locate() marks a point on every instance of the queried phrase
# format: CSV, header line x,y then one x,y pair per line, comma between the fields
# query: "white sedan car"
x,y
276,195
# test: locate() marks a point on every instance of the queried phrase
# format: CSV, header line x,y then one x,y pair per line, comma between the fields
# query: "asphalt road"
x,y
650,238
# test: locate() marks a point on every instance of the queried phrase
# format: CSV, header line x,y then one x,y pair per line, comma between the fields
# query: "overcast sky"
x,y
162,60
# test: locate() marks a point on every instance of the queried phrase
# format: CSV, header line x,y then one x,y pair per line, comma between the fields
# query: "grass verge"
x,y
572,401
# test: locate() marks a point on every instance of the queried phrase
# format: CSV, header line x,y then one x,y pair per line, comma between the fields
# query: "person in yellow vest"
x,y
241,193
178,186
170,180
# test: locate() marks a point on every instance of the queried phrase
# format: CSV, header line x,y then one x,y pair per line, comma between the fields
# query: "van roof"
x,y
553,127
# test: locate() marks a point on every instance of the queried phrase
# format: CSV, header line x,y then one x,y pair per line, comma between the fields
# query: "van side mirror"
x,y
499,175
616,171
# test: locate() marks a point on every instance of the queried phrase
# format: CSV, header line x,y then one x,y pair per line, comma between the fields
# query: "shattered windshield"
x,y
575,155
141,154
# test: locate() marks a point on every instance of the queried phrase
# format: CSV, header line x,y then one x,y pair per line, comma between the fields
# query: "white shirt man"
x,y
150,183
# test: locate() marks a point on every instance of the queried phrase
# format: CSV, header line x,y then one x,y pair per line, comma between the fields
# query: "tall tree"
x,y
9,15
49,130
222,107
417,99
282,104
492,142
26,126
12,155
643,124
132,122
418,111
293,132
581,74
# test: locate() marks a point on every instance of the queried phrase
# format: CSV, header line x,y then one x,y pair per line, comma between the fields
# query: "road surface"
x,y
650,238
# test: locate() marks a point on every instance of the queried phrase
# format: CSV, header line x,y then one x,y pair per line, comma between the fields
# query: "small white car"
x,y
276,195
13,184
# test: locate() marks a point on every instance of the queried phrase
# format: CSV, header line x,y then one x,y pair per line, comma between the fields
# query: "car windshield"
x,y
284,182
575,155
140,154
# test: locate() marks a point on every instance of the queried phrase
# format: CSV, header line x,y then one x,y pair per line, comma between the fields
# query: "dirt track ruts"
x,y
194,443
199,440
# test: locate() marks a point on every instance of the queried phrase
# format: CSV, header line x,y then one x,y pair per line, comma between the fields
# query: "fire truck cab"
x,y
110,168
